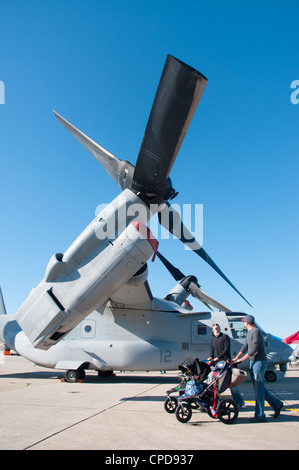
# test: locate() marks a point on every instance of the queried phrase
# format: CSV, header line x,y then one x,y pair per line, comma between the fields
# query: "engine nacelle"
x,y
180,292
55,267
54,308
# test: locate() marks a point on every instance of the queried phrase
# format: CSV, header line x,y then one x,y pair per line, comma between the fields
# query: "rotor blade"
x,y
194,289
206,298
171,220
177,97
175,272
120,170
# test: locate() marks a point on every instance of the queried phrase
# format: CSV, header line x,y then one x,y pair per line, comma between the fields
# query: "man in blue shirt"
x,y
254,349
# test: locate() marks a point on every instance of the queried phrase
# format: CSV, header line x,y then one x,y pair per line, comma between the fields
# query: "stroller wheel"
x,y
183,412
170,404
227,411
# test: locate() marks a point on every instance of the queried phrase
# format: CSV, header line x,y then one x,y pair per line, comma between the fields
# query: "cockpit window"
x,y
238,329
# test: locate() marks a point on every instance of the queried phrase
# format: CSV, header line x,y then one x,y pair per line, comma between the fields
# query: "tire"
x,y
71,375
227,411
270,376
170,404
183,412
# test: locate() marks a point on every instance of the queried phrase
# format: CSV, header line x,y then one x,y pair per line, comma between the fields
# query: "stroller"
x,y
207,396
190,370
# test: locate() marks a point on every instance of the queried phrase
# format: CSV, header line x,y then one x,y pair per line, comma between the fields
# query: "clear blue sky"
x,y
98,64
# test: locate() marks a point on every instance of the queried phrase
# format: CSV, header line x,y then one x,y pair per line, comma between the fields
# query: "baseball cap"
x,y
248,318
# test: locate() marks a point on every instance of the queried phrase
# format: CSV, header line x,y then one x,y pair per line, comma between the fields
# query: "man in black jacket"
x,y
219,345
220,351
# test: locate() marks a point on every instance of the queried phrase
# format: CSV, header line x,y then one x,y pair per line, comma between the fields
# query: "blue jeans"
x,y
257,371
237,396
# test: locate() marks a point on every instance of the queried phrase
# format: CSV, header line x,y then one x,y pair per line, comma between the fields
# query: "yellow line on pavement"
x,y
266,404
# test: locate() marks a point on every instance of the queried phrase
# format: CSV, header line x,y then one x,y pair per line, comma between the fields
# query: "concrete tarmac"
x,y
126,412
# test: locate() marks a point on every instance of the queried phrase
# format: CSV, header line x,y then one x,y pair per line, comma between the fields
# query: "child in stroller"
x,y
192,370
207,396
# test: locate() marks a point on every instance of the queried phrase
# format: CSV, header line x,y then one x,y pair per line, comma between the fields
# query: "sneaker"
x,y
257,420
277,412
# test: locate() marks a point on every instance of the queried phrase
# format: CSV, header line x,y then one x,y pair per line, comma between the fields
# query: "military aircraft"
x,y
134,331
94,308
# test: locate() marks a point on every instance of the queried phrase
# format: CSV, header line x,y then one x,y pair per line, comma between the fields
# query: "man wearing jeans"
x,y
220,350
254,349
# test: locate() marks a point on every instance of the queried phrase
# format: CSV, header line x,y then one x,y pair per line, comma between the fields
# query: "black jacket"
x,y
220,347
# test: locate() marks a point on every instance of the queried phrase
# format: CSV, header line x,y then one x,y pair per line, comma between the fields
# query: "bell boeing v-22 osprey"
x,y
94,308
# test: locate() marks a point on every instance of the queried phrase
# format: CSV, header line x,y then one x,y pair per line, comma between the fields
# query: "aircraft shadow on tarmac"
x,y
290,386
117,379
32,375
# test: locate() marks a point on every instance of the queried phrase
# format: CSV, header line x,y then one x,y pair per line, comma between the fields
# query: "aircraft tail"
x,y
2,321
120,170
2,304
9,327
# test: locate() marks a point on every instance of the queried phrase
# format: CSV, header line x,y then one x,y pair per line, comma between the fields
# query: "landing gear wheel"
x,y
270,376
227,411
183,412
170,404
71,375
